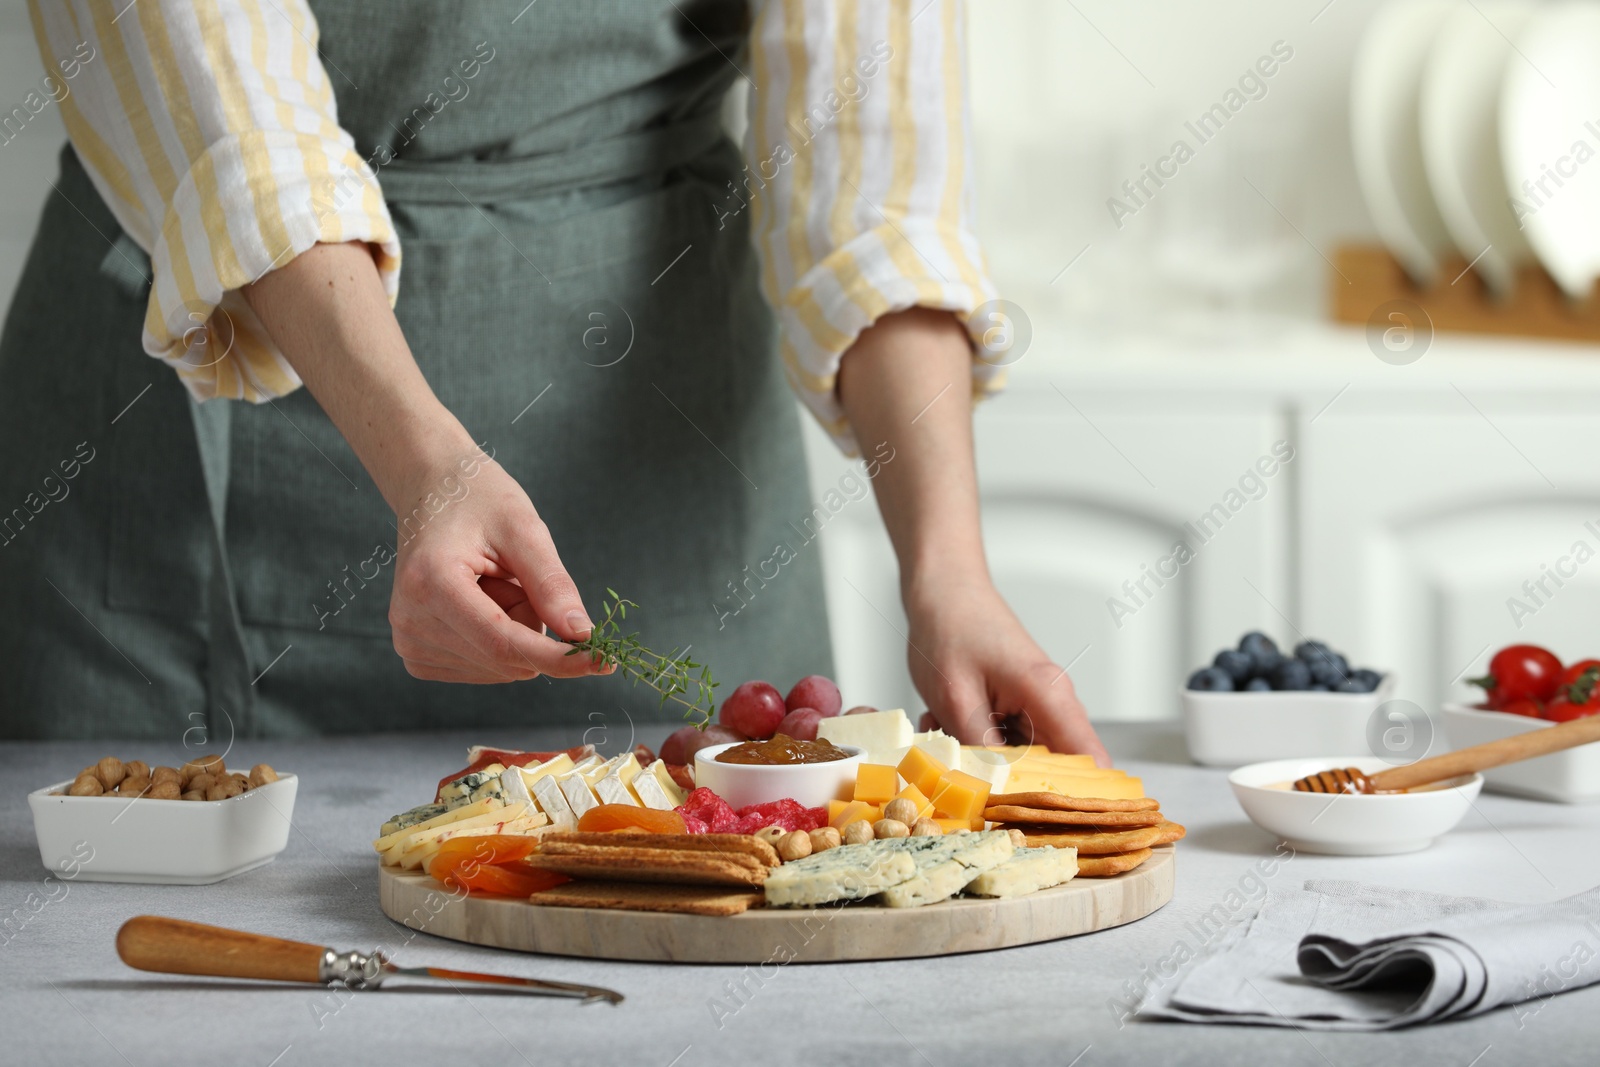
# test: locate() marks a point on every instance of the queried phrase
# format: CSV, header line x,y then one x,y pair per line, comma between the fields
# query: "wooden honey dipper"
x,y
1451,764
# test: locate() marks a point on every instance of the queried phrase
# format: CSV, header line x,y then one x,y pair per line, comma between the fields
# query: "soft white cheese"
x,y
880,734
579,796
993,767
553,803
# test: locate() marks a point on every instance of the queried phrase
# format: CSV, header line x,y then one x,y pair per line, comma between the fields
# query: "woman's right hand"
x,y
479,588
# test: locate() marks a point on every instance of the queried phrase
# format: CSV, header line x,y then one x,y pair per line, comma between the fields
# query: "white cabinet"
x,y
1418,500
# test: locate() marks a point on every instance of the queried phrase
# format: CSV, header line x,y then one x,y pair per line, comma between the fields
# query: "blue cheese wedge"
x,y
942,873
850,872
1027,871
419,814
443,818
470,788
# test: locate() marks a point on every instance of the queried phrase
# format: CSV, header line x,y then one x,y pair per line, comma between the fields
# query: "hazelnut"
x,y
86,785
826,838
771,834
193,794
1018,838
166,789
223,789
858,832
261,774
136,768
794,846
926,828
200,783
165,774
901,810
890,828
211,765
110,772
132,787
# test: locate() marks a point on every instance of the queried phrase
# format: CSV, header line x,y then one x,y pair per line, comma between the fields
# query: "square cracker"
x,y
1012,813
638,896
651,865
1058,802
744,844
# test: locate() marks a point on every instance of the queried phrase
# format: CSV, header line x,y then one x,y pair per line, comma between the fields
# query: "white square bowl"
x,y
1571,776
1235,728
169,842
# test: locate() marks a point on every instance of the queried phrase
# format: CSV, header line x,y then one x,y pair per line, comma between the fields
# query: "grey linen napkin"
x,y
1347,956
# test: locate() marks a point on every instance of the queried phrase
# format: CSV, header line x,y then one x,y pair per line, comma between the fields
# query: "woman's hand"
x,y
479,586
985,680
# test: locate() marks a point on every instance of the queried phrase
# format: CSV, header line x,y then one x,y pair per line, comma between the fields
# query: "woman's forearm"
x,y
906,381
328,313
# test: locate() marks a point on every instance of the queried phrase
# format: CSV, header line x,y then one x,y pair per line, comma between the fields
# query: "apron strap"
x,y
228,688
617,159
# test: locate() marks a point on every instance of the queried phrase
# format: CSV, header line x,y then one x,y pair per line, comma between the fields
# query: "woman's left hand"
x,y
985,680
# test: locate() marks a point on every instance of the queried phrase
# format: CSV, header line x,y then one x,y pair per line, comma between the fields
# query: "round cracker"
x,y
1122,820
1057,802
1170,832
1114,864
1092,842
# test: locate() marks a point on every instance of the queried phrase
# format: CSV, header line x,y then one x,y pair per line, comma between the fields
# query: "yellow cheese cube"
x,y
918,799
950,826
961,796
875,783
922,770
853,811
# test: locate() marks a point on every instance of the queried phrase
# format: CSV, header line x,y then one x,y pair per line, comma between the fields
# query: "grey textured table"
x,y
69,1000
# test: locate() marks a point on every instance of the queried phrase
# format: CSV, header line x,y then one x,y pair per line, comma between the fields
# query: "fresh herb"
x,y
672,675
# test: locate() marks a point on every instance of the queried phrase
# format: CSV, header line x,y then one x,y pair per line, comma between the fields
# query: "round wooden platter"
x,y
810,935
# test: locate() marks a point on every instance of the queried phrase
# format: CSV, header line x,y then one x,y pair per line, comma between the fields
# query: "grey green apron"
x,y
574,294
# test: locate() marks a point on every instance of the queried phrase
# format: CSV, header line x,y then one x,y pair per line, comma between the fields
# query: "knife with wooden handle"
x,y
175,946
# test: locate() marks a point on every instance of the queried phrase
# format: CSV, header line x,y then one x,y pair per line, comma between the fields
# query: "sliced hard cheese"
x,y
525,823
1071,785
879,734
498,814
554,804
389,840
415,816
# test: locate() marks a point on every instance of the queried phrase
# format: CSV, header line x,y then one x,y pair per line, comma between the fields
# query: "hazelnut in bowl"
x,y
760,772
192,824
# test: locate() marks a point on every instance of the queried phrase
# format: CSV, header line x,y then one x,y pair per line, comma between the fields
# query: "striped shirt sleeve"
x,y
210,130
860,179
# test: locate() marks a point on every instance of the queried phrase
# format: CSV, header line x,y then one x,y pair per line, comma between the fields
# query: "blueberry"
x,y
1258,685
1317,687
1238,665
1351,685
1367,678
1261,650
1211,679
1291,674
1325,672
1310,650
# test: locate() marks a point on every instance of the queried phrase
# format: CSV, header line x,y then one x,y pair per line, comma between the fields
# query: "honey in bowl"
x,y
782,751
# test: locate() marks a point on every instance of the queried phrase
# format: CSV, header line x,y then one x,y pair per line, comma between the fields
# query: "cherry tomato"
x,y
1574,674
1521,671
1579,699
1533,709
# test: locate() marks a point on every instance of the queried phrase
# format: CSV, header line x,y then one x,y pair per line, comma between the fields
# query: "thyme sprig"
x,y
673,675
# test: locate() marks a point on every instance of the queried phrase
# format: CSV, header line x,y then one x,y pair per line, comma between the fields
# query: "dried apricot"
x,y
627,817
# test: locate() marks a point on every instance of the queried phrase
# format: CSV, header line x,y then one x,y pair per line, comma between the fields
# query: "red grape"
x,y
862,709
687,740
815,691
754,709
801,723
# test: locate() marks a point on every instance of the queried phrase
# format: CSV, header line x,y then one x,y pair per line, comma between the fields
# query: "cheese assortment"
x,y
495,800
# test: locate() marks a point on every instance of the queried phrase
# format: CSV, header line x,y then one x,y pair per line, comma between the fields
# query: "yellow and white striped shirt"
x,y
210,129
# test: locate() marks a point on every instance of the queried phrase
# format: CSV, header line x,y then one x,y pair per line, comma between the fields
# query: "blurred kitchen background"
x,y
1435,478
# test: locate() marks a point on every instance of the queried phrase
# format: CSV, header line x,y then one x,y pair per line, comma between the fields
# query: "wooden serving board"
x,y
810,935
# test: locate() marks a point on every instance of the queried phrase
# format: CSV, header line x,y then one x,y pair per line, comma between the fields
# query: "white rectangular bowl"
x,y
169,842
1568,777
1233,729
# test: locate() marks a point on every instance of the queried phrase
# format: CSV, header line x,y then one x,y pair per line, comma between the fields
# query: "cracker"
x,y
1011,813
638,896
1057,802
1090,841
623,854
1170,832
651,865
733,843
1114,864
